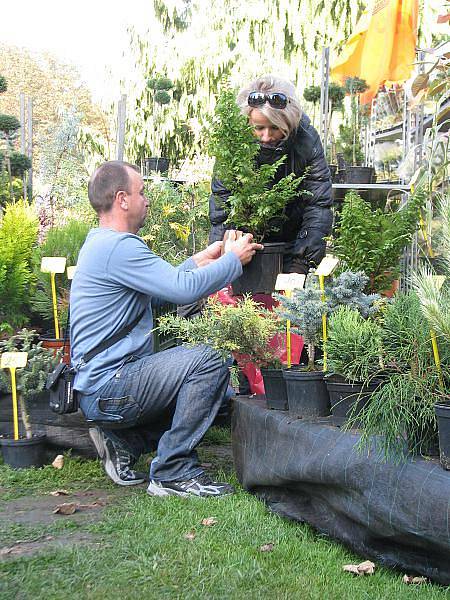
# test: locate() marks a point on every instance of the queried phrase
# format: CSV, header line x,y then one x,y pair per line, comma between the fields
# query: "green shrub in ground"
x,y
60,241
18,235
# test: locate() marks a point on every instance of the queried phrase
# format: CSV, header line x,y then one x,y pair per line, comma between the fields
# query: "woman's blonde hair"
x,y
286,119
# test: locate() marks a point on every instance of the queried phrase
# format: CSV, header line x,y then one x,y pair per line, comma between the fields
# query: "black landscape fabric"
x,y
396,514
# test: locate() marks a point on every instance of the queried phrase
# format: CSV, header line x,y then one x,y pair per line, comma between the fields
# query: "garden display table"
x,y
308,470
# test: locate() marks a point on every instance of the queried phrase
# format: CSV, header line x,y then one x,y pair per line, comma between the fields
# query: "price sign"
x,y
13,360
327,265
290,281
71,272
53,264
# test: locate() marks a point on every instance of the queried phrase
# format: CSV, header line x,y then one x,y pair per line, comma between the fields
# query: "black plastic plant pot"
x,y
443,419
160,165
24,452
307,393
347,399
359,174
275,388
260,274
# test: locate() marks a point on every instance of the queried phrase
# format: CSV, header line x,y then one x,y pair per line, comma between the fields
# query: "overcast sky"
x,y
91,34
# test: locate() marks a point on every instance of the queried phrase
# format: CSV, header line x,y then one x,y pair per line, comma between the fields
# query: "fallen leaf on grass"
x,y
365,568
67,508
209,522
206,465
414,580
267,547
190,535
58,463
95,504
59,493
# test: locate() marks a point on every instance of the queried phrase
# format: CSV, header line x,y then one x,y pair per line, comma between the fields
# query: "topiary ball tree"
x,y
9,125
162,97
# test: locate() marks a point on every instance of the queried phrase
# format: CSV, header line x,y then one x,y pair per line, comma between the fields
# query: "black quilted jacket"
x,y
308,216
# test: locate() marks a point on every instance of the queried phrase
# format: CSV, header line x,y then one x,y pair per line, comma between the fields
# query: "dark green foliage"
x,y
18,234
3,84
353,346
336,95
60,241
245,329
162,97
401,411
312,93
355,85
19,163
9,124
254,200
372,241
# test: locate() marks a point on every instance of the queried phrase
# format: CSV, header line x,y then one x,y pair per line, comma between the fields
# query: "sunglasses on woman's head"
x,y
275,99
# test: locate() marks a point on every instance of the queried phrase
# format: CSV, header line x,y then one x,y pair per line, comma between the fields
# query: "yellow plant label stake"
x,y
13,361
53,265
287,282
325,268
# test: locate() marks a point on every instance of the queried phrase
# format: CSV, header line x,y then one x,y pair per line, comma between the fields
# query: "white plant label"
x,y
13,360
327,265
71,272
53,264
290,281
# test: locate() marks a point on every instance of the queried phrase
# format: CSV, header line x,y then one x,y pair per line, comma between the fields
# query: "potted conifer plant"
x,y
255,203
306,390
372,241
243,330
29,449
353,351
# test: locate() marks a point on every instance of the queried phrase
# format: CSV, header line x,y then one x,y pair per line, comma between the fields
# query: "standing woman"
x,y
282,129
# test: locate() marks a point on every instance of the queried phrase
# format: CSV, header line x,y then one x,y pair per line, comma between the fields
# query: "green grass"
x,y
142,551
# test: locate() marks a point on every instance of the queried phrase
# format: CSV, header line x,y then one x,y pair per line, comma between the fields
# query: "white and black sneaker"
x,y
116,461
200,486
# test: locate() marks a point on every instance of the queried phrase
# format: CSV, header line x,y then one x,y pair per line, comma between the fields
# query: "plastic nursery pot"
x,y
443,419
160,165
275,389
55,345
24,453
358,174
307,393
260,274
347,399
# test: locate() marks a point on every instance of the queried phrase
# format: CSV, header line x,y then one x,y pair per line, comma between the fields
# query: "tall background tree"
x,y
197,48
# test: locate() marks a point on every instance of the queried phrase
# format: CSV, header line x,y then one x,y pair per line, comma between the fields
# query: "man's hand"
x,y
242,245
209,254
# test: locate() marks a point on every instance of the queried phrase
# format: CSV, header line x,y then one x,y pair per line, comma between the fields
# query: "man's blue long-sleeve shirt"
x,y
116,278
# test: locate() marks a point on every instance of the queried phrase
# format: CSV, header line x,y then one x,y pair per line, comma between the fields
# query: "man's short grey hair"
x,y
110,177
286,119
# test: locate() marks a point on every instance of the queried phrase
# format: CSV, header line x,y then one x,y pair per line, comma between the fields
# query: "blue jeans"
x,y
168,399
